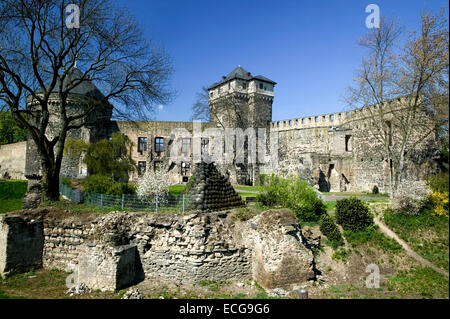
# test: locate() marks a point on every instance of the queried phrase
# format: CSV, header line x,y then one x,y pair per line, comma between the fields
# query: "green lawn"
x,y
249,188
355,194
427,234
176,189
11,194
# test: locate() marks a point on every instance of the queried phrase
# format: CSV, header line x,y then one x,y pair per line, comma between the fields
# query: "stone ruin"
x,y
118,250
211,191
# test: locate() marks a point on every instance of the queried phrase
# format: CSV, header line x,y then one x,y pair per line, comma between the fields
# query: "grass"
x,y
176,189
43,284
355,194
372,237
249,188
11,194
426,233
422,281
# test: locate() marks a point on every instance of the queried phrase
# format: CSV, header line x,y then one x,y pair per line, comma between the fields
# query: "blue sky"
x,y
308,47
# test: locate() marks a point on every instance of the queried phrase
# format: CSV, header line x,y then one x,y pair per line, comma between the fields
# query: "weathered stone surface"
x,y
33,196
118,249
108,268
280,257
21,244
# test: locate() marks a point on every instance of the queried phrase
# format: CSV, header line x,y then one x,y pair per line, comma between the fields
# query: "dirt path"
x,y
408,249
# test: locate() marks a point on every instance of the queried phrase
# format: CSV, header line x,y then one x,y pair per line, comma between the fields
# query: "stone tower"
x,y
94,129
241,100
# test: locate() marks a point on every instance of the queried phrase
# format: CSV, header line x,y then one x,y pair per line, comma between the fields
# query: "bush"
x,y
440,203
262,179
106,185
330,229
375,190
98,184
294,193
411,197
440,182
66,181
353,214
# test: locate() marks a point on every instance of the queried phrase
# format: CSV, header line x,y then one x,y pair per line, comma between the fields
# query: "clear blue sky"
x,y
308,47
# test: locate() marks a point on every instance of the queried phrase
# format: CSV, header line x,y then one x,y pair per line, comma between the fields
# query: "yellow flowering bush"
x,y
440,200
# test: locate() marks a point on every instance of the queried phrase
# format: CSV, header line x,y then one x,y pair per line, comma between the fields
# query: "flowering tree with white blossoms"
x,y
154,183
411,197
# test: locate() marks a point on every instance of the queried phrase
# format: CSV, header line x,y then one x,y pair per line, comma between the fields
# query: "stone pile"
x,y
211,191
133,293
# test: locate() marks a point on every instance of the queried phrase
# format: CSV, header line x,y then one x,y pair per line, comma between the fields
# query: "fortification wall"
x,y
12,160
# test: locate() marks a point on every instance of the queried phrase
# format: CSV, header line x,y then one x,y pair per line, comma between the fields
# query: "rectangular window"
x,y
185,167
142,166
332,117
142,144
159,144
261,86
244,86
204,145
186,146
316,119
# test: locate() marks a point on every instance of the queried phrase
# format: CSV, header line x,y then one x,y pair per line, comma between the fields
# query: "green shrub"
x,y
98,184
375,190
353,214
106,185
66,181
439,183
294,193
330,229
262,179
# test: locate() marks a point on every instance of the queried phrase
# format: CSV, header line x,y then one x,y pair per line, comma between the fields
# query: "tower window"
x,y
142,144
185,146
211,94
332,117
261,86
316,119
159,144
142,166
303,121
185,167
244,86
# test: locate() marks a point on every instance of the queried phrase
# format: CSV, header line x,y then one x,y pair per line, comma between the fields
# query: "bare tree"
x,y
200,108
403,89
39,53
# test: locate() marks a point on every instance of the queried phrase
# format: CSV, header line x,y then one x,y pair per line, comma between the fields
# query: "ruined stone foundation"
x,y
119,249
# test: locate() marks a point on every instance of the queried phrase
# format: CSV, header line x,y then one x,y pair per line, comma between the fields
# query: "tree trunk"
x,y
50,180
50,185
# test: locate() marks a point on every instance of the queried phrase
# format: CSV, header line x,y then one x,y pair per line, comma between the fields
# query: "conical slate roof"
x,y
208,190
86,87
